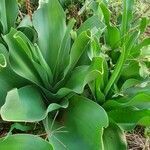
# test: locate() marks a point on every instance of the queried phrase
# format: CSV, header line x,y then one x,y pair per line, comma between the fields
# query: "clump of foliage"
x,y
87,86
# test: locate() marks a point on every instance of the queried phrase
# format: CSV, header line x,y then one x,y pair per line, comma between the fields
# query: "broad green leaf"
x,y
8,79
106,13
129,83
26,59
83,75
130,70
126,16
49,22
130,116
78,47
96,27
40,61
8,19
112,36
63,53
140,101
29,32
78,79
24,104
19,58
93,22
142,87
114,138
27,105
84,130
24,142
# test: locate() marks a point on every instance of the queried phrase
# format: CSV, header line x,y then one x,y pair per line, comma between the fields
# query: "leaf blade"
x,y
23,142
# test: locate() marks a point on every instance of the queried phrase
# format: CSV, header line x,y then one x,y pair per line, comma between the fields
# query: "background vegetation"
x,y
139,137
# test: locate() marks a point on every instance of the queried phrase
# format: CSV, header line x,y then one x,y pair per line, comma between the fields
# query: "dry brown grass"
x,y
137,141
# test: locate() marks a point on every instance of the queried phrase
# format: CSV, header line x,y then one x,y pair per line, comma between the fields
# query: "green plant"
x,y
79,88
125,94
45,75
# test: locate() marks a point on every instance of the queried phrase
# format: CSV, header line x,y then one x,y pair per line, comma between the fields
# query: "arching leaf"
x,y
24,142
114,138
8,79
6,18
27,105
83,122
49,22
